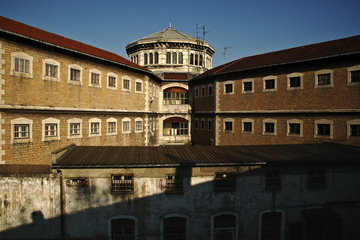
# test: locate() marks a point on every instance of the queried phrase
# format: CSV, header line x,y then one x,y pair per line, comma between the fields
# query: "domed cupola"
x,y
172,51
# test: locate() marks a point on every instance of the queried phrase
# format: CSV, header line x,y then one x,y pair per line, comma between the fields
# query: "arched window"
x,y
175,126
151,58
132,59
145,59
168,57
123,228
156,58
174,96
201,60
224,227
196,59
174,57
180,58
192,59
174,228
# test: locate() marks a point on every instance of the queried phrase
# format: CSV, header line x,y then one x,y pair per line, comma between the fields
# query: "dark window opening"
x,y
174,183
270,84
323,129
247,86
156,58
269,127
122,229
273,180
271,226
145,59
151,58
294,128
247,126
228,126
295,82
168,57
228,88
316,178
175,228
225,181
224,227
324,79
355,76
355,130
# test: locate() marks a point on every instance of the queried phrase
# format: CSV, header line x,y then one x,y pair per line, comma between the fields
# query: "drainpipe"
x,y
62,207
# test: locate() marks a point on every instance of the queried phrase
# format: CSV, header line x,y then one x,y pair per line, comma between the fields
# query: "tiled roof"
x,y
299,54
24,169
175,76
53,39
112,157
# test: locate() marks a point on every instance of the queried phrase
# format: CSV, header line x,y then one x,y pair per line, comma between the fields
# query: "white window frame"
x,y
111,74
269,120
294,121
142,86
282,221
122,125
348,124
122,83
264,83
94,120
50,121
76,67
323,121
95,71
111,120
142,125
210,93
75,121
324,71
203,93
243,85
25,56
236,234
51,62
245,120
294,75
233,125
353,68
233,87
21,121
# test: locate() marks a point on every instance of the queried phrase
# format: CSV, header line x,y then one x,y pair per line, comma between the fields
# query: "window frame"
x,y
323,121
139,121
225,180
138,81
123,121
248,80
269,120
273,180
77,68
210,124
348,129
21,121
210,90
316,179
294,121
232,83
118,217
94,121
126,187
228,120
269,78
282,224
294,75
349,70
73,121
181,58
235,228
46,122
145,59
169,188
322,72
168,58
247,120
24,56
124,79
54,63
111,120
91,72
112,75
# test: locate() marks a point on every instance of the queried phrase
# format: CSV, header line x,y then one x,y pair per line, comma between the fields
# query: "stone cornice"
x,y
281,111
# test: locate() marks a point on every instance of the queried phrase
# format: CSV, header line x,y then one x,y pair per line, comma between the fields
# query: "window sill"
x,y
52,79
324,86
270,90
111,134
350,84
294,88
19,74
26,140
75,82
95,85
356,138
323,136
74,136
294,135
48,139
268,134
247,132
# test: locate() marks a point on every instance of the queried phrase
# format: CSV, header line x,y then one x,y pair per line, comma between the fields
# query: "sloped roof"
x,y
23,30
176,76
344,46
24,169
163,156
169,34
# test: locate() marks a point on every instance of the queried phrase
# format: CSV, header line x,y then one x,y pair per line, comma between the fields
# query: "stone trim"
x,y
2,92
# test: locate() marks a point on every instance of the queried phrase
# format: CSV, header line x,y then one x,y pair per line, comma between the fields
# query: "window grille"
x,y
22,65
174,183
355,130
224,227
324,79
21,131
51,130
247,86
355,76
180,58
123,229
95,128
228,88
270,84
75,129
111,127
168,57
295,82
323,129
228,126
77,182
316,178
145,58
126,84
294,128
122,183
95,78
112,81
51,70
175,228
138,125
174,58
138,86
247,126
74,75
225,181
151,58
271,226
269,127
273,180
156,58
126,126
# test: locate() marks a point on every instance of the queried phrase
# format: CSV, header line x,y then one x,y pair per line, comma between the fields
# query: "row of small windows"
x,y
323,78
171,58
22,128
202,91
323,128
22,64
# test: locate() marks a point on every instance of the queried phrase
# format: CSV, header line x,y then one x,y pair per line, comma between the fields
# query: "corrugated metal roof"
x,y
299,54
51,38
135,156
24,169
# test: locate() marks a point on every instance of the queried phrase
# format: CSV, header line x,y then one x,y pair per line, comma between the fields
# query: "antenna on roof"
x,y
170,23
225,53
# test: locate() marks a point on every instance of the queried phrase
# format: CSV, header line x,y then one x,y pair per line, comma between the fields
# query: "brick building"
x,y
308,94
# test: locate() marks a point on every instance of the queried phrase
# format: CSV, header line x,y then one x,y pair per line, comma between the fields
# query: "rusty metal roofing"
x,y
24,169
136,156
322,50
24,30
175,76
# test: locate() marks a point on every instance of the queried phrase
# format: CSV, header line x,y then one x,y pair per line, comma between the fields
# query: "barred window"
x,y
225,181
51,130
355,76
323,129
74,128
247,126
355,130
175,228
22,65
122,183
95,78
229,88
151,58
126,126
273,180
174,58
123,229
126,84
174,183
168,57
248,86
180,58
270,84
138,125
324,79
112,81
156,57
51,70
294,128
145,59
77,182
111,127
224,227
21,131
74,74
271,226
269,127
228,126
138,86
295,82
316,178
95,128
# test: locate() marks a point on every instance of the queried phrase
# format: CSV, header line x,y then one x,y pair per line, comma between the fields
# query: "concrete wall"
x,y
29,206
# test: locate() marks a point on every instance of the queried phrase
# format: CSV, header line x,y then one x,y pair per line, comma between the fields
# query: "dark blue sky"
x,y
248,27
